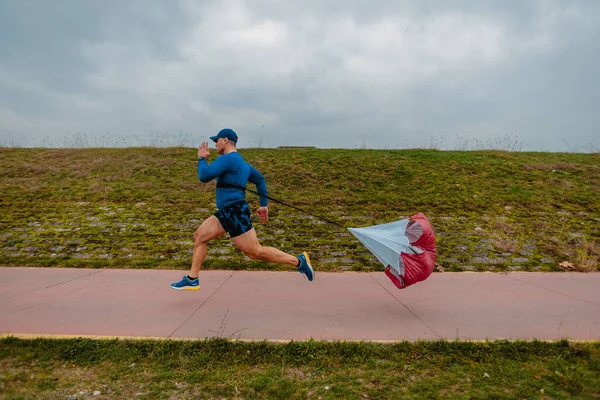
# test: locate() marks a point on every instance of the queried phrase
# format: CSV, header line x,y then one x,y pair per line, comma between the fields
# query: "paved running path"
x,y
284,305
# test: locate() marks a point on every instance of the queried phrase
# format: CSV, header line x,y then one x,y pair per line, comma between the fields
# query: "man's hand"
x,y
203,150
263,214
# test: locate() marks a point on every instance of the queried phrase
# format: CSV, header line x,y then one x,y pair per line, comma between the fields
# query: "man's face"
x,y
221,145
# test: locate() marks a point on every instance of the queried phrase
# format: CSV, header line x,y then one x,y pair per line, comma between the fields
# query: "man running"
x,y
233,216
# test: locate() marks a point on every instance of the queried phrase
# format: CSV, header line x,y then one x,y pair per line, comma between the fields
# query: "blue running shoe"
x,y
186,284
305,267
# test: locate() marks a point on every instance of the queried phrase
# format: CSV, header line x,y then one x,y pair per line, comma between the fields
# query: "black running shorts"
x,y
235,218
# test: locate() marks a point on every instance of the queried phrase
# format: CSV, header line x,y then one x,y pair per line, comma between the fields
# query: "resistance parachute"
x,y
406,248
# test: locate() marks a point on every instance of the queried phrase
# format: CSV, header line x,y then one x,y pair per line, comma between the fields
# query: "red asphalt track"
x,y
282,306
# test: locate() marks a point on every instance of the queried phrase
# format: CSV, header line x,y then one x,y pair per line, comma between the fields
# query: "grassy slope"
x,y
56,369
138,207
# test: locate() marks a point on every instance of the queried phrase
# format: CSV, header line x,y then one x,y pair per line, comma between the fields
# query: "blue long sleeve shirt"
x,y
233,169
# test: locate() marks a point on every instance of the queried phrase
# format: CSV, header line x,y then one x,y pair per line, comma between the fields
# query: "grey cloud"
x,y
332,74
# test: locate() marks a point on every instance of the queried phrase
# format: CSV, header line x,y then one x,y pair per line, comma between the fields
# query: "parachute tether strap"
x,y
228,185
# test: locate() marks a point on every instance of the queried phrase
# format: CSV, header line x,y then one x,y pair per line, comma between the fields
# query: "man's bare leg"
x,y
248,243
210,229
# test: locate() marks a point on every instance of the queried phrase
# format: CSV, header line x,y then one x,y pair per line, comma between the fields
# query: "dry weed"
x,y
585,262
503,226
506,244
585,256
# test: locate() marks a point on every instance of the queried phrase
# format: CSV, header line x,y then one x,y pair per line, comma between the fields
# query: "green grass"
x,y
218,368
139,207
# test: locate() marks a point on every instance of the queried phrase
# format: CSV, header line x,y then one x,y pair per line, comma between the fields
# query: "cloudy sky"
x,y
522,74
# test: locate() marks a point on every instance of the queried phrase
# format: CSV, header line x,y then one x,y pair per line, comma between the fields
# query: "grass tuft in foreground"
x,y
218,368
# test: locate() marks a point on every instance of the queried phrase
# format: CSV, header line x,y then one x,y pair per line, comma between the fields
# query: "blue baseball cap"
x,y
226,133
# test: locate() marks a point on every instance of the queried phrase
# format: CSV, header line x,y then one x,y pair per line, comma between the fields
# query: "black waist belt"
x,y
226,185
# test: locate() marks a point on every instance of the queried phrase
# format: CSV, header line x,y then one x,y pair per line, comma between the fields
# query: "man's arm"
x,y
207,173
261,185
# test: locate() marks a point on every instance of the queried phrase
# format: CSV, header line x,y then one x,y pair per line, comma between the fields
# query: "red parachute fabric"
x,y
417,267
